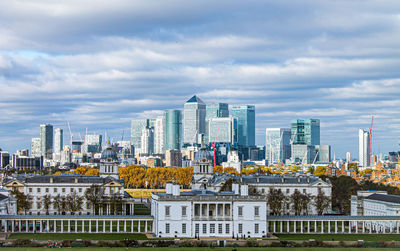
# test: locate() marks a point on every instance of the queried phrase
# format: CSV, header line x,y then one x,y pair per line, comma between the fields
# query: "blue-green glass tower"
x,y
218,110
305,132
173,129
246,115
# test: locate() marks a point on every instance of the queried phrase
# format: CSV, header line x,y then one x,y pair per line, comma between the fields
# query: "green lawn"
x,y
73,236
340,237
203,249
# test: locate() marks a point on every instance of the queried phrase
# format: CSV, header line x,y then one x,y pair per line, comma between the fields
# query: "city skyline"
x,y
335,61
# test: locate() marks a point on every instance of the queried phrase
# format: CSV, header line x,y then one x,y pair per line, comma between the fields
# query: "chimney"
x,y
76,179
176,190
169,188
235,188
51,179
244,190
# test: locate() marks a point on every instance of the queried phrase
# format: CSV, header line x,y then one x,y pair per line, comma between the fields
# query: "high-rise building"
x,y
46,141
277,144
364,150
323,153
159,135
194,120
304,154
305,132
4,159
137,127
147,141
246,115
218,110
348,157
173,158
223,130
58,140
92,143
35,147
173,129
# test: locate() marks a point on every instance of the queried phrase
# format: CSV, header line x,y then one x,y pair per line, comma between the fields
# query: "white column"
x,y
397,227
138,225
301,230
48,226
62,226
69,226
132,227
391,226
356,227
295,226
97,226
40,226
27,226
117,226
322,226
104,226
83,226
350,227
76,226
111,223
308,226
19,226
281,230
335,226
363,227
145,226
12,226
288,226
90,226
124,226
6,226
343,227
274,226
370,227
55,226
329,226
315,227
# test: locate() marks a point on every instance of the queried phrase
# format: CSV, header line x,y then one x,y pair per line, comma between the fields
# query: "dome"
x,y
202,154
109,153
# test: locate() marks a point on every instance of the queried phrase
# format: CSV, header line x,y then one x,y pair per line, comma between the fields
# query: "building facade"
x,y
194,121
216,110
173,158
364,150
137,127
246,124
46,141
159,135
35,147
305,132
173,129
223,130
58,140
277,144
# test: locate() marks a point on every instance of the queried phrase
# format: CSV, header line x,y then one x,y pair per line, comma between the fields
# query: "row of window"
x,y
168,211
63,190
240,211
256,211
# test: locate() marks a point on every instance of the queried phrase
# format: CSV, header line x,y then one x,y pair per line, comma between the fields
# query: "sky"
x,y
99,64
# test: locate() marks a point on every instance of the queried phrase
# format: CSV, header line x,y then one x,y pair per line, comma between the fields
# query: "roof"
x,y
63,179
384,197
195,99
2,197
267,179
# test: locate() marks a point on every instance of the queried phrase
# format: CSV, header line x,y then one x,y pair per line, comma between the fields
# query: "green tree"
x,y
94,196
46,199
276,200
57,203
295,201
74,203
24,202
321,202
115,201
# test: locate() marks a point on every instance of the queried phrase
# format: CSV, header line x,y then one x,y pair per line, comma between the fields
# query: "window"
x,y
38,190
256,211
183,211
204,228
304,190
47,190
240,228
240,211
287,190
55,190
80,190
227,229
71,190
167,210
256,228
263,190
220,228
183,228
167,228
30,190
212,228
63,190
197,228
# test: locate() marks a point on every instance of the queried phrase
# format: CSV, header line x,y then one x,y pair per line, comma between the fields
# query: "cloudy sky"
x,y
98,64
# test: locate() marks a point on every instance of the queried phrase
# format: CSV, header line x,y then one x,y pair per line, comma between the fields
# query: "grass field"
x,y
339,237
203,249
73,236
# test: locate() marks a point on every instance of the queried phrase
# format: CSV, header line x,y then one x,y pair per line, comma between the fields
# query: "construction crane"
x,y
213,146
70,133
370,141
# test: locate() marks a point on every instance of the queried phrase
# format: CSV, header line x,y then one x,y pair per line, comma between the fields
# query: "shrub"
x,y
22,242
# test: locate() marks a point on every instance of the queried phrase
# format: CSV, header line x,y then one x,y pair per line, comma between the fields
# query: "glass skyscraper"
x,y
277,144
223,130
58,140
218,110
246,124
46,141
137,127
194,120
364,150
173,128
305,132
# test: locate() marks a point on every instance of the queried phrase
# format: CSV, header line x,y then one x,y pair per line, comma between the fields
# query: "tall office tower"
x,y
194,120
58,140
348,157
159,135
137,127
323,154
364,150
92,143
46,141
173,129
305,132
277,144
223,130
218,110
35,147
246,115
147,141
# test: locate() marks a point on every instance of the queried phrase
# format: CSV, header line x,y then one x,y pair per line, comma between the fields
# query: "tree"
x,y
24,202
321,202
305,200
92,171
342,189
94,195
295,201
276,199
320,170
74,203
115,204
46,202
57,203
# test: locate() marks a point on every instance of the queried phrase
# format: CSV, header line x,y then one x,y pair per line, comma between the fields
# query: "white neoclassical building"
x,y
203,213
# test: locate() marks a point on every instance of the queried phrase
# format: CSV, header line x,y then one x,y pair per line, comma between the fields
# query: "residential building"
x,y
203,213
46,141
364,150
159,135
194,121
35,147
223,130
173,129
58,140
173,158
246,124
277,144
305,132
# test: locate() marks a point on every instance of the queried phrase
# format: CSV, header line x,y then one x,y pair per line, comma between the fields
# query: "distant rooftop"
x,y
385,198
195,99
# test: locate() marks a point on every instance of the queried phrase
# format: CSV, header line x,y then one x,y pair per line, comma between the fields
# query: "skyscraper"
x,y
277,144
194,120
173,129
58,140
218,110
223,130
137,127
92,143
305,132
364,150
159,135
147,140
348,157
46,141
35,147
246,124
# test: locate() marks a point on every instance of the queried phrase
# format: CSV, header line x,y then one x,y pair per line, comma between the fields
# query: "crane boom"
x,y
70,133
370,140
